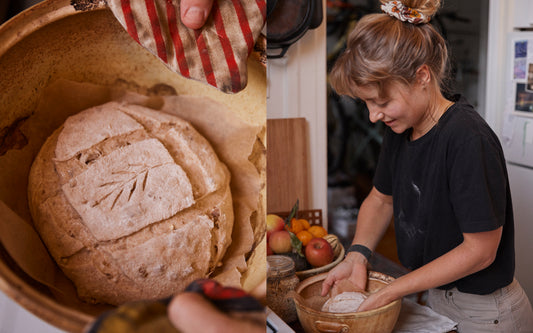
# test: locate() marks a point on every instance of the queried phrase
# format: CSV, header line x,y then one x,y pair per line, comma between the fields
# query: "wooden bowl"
x,y
58,40
313,320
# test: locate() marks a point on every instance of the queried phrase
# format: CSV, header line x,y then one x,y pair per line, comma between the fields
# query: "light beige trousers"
x,y
507,310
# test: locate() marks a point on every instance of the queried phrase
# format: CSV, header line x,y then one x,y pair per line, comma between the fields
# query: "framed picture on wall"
x,y
523,99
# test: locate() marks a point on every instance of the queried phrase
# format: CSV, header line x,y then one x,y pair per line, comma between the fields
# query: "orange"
x,y
304,236
317,231
305,224
296,226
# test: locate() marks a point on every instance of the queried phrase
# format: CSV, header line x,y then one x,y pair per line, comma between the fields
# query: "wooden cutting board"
x,y
287,164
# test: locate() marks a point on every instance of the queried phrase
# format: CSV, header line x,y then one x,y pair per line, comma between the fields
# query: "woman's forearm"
x,y
477,251
373,219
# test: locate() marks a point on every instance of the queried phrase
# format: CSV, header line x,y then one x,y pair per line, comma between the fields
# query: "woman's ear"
x,y
423,75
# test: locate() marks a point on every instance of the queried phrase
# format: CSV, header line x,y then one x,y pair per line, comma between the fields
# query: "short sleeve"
x,y
478,184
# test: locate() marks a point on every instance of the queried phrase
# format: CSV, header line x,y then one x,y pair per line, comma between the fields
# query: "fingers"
x,y
194,13
355,272
327,284
373,301
187,310
360,276
366,305
340,272
359,281
190,312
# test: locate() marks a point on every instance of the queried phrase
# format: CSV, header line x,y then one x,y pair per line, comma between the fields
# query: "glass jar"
x,y
281,279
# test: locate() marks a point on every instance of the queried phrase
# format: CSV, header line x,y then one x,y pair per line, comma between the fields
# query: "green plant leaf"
x,y
292,214
296,244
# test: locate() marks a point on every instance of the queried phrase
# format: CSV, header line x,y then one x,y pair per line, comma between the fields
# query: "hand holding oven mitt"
x,y
215,53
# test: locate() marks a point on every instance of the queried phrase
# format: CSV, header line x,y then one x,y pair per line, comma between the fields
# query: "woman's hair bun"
x,y
426,7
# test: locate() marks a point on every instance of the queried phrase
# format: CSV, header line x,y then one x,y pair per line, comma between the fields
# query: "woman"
x,y
441,174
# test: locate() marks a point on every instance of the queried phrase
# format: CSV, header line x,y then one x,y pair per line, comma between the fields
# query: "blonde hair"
x,y
382,50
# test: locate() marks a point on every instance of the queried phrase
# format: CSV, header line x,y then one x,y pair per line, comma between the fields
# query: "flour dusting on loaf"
x,y
345,302
132,203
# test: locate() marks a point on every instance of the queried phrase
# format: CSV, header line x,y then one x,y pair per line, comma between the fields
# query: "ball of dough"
x,y
344,302
132,203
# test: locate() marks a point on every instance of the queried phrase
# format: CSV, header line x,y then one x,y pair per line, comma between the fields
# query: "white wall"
x,y
297,88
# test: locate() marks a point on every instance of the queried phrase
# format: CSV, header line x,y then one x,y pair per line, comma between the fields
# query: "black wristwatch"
x,y
365,251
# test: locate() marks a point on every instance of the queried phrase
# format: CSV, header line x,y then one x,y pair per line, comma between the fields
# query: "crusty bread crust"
x,y
132,203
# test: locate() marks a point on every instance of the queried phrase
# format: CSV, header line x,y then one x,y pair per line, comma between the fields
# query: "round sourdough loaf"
x,y
132,203
348,301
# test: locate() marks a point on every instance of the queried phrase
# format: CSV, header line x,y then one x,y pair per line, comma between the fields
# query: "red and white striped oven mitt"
x,y
216,54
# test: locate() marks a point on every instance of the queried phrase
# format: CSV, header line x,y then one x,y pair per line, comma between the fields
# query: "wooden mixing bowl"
x,y
313,320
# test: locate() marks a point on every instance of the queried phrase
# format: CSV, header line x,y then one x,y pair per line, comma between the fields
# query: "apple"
x,y
280,241
274,223
319,252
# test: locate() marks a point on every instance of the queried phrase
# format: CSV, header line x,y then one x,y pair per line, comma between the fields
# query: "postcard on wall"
x,y
520,59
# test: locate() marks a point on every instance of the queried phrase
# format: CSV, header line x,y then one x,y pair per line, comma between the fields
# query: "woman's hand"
x,y
194,13
376,300
353,268
372,221
191,312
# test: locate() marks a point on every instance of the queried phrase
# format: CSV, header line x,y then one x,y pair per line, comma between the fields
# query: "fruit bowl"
x,y
338,251
314,218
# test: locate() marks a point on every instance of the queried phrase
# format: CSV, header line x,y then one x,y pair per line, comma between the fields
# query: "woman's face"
x,y
402,108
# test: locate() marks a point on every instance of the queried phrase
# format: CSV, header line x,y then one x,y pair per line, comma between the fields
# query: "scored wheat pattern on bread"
x,y
132,203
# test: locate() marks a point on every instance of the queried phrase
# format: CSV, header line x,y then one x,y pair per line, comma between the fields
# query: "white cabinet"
x,y
523,13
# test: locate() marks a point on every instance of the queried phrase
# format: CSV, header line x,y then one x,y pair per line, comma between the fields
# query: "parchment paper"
x,y
235,141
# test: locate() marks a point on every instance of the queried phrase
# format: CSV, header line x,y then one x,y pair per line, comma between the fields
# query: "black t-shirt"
x,y
452,180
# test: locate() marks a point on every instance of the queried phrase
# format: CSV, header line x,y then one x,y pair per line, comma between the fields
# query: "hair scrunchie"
x,y
398,10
